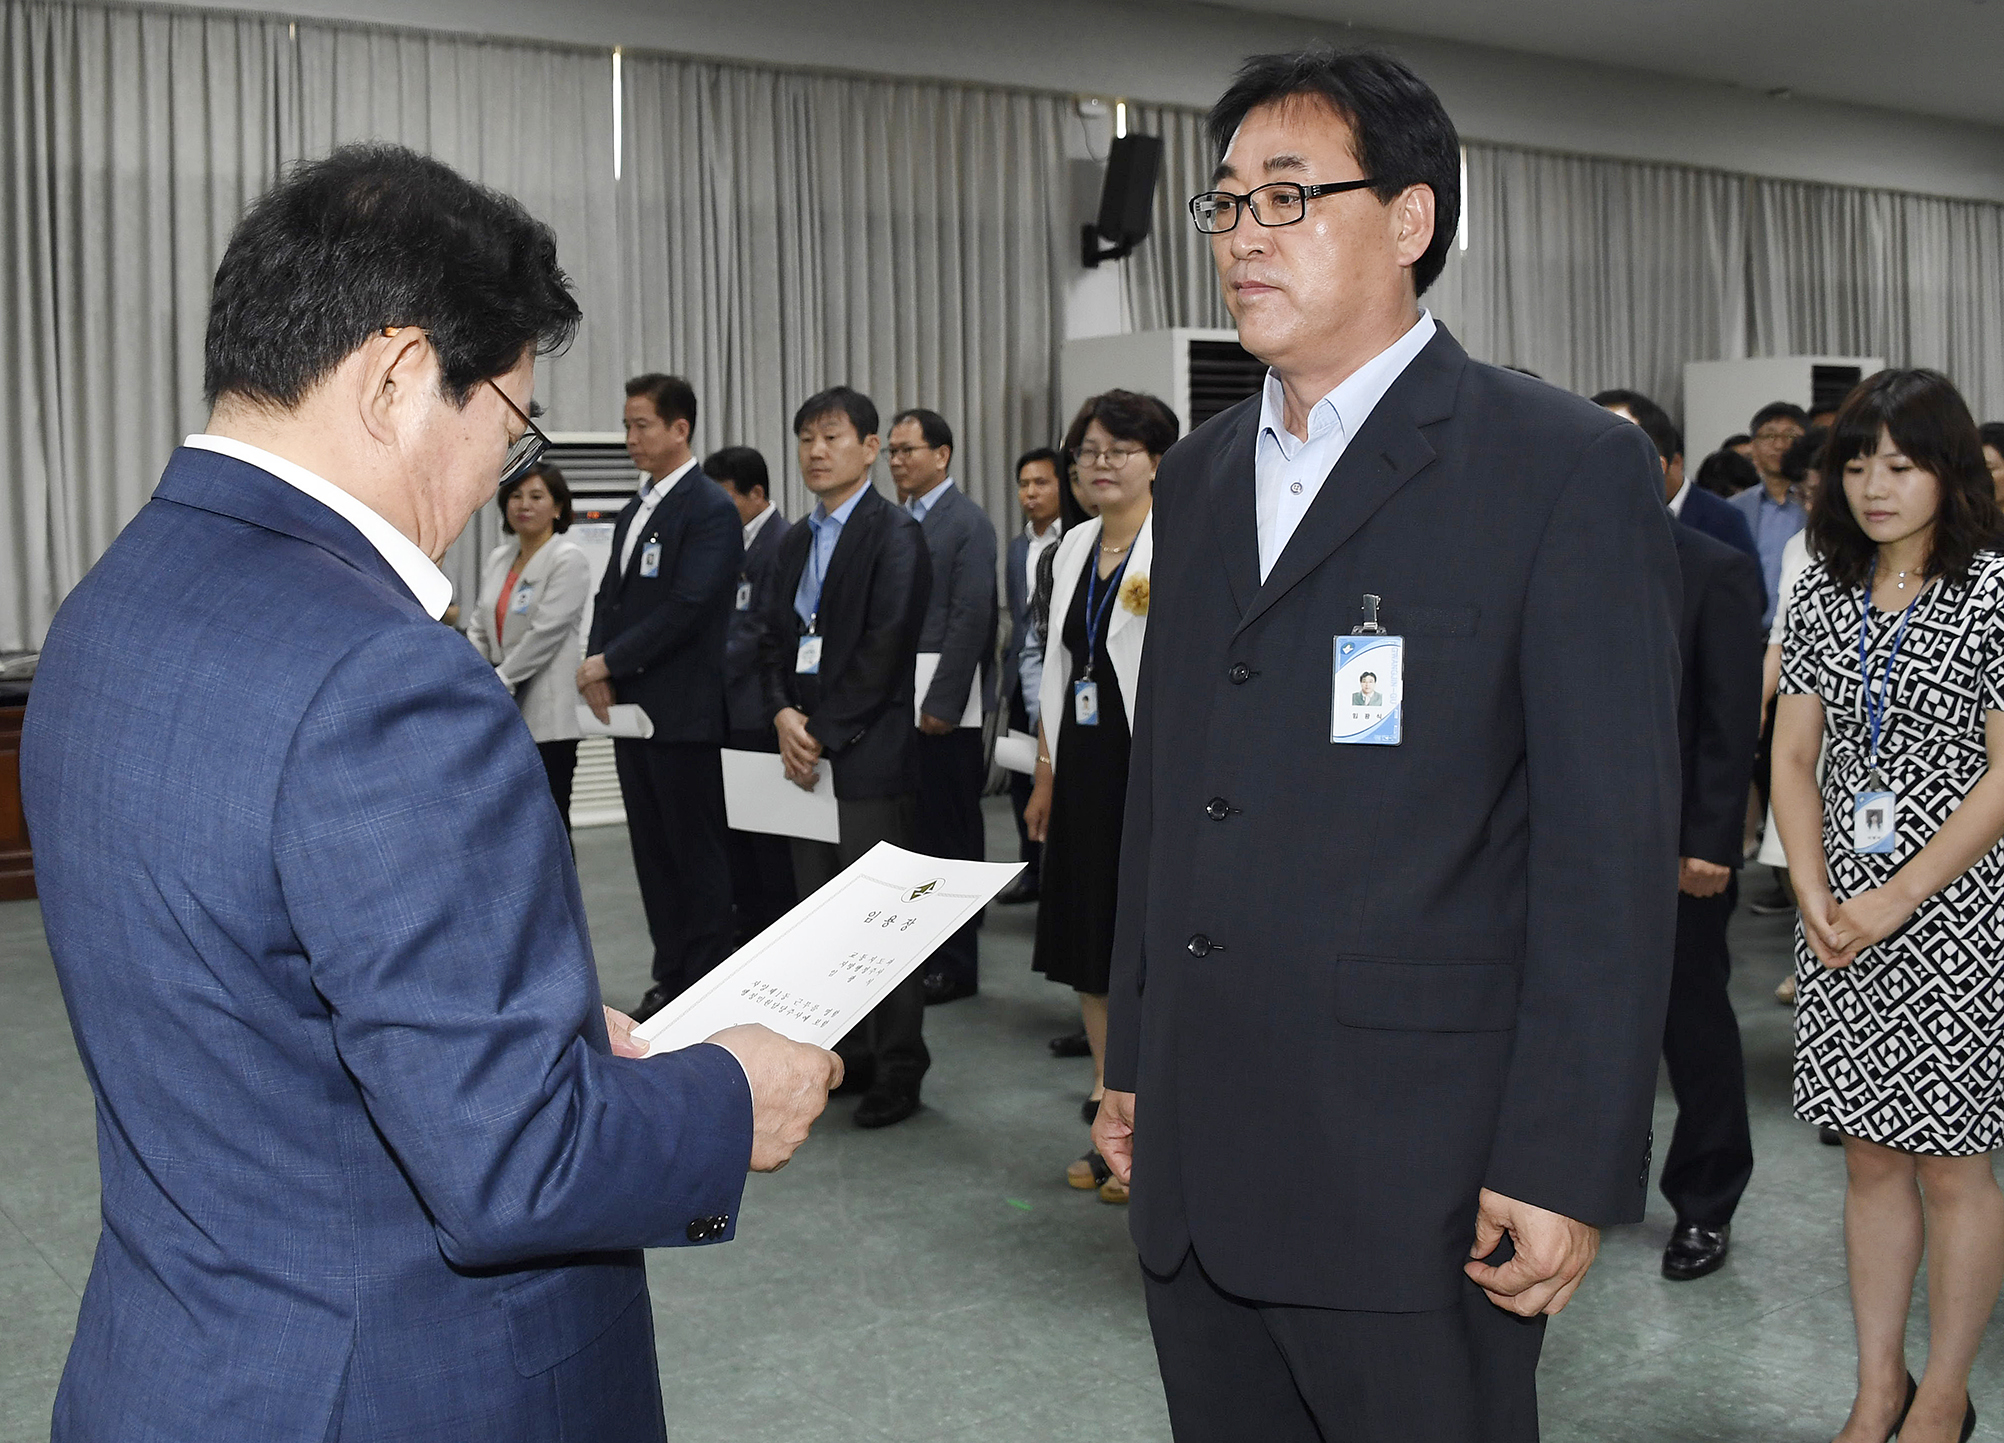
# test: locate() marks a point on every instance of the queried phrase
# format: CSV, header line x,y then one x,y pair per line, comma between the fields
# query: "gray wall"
x,y
1180,53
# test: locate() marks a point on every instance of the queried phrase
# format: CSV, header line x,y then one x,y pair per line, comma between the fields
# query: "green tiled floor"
x,y
938,1280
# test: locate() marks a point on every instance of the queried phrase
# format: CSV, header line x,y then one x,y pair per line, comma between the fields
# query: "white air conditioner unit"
x,y
1720,397
1198,372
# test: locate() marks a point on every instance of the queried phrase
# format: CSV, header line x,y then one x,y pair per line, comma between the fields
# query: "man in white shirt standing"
x,y
657,640
1039,475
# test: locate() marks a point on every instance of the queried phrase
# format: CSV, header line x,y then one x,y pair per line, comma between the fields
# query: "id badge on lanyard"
x,y
1875,806
807,660
1085,691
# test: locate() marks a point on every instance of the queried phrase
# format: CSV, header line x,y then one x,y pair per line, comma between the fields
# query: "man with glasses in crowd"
x,y
657,640
1771,512
373,1153
1378,1086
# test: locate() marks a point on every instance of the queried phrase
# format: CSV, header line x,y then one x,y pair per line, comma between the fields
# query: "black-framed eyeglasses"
x,y
528,448
1283,202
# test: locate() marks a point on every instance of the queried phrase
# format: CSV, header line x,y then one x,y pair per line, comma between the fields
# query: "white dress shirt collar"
x,y
757,524
1351,403
1677,501
651,492
417,571
919,505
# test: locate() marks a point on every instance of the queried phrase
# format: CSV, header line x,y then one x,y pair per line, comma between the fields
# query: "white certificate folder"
x,y
817,971
759,798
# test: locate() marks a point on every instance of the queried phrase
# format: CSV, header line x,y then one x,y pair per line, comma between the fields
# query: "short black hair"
x,y
1071,512
1992,435
1652,418
553,482
740,468
371,237
1930,423
1777,411
1400,132
673,398
1042,453
931,425
1800,457
1371,674
1127,416
1738,438
1726,473
850,402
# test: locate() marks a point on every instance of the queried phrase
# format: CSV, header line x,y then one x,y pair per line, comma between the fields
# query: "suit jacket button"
x,y
1202,946
1218,809
1240,674
698,1231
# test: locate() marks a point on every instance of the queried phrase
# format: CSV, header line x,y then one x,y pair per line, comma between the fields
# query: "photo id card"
x,y
807,661
650,559
1873,823
1369,704
524,595
1085,703
744,593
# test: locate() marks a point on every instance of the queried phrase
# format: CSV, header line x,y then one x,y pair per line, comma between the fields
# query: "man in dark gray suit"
x,y
960,630
762,888
1379,1085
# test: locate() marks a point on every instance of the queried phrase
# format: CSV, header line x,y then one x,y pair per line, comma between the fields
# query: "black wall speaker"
x,y
1126,200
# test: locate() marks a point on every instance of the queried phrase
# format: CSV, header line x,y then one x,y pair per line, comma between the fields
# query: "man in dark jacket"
x,y
657,640
1691,504
839,644
762,889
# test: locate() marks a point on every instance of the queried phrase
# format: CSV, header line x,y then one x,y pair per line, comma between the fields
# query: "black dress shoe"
x,y
892,1102
1695,1251
1089,1110
939,987
1072,1044
653,1002
1829,1137
858,1076
1023,889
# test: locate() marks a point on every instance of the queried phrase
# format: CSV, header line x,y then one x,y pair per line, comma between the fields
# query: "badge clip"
x,y
1370,626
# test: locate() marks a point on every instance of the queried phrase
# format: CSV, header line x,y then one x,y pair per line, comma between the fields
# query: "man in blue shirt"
x,y
1772,513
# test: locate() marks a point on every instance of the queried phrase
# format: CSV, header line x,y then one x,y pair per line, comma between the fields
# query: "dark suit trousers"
x,y
892,1038
951,776
674,796
560,764
1021,784
762,889
1234,1370
1711,1152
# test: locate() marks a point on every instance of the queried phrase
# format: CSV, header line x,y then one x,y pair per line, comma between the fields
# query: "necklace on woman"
x,y
1116,550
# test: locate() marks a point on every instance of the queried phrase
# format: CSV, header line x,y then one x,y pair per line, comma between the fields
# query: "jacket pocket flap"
x,y
555,1314
1426,996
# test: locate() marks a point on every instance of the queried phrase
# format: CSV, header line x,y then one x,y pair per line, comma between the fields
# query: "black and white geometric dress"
x,y
1905,1047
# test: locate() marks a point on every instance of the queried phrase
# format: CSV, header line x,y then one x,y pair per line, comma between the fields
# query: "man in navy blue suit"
x,y
376,1163
1696,507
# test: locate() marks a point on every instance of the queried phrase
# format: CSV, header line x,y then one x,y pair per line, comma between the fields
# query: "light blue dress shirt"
x,y
919,505
1289,471
827,530
1772,524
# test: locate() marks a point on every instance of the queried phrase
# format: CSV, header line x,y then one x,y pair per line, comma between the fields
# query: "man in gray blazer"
x,y
960,629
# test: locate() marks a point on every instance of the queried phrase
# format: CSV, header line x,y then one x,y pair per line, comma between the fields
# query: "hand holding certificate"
x,y
817,971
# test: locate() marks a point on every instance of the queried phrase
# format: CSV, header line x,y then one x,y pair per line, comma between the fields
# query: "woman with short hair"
x,y
1092,652
1894,663
533,593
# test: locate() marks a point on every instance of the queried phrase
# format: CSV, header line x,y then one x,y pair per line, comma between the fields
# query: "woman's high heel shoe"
x,y
1905,1408
1969,1421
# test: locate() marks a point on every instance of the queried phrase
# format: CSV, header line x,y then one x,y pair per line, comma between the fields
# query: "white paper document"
x,y
625,720
928,665
817,971
1016,752
759,798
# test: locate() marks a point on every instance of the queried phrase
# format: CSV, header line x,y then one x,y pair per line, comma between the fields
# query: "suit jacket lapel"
x,y
619,530
1388,452
1234,508
850,544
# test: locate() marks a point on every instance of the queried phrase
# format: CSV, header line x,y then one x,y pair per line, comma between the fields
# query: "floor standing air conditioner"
x,y
1720,397
1198,372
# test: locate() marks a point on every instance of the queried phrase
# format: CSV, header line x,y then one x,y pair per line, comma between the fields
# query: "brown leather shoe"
x,y
1113,1190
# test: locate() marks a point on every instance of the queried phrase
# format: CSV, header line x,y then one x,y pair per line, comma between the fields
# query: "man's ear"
x,y
395,372
873,443
1413,220
681,436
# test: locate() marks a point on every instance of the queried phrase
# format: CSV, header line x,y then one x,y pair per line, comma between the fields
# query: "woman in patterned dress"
x,y
1895,656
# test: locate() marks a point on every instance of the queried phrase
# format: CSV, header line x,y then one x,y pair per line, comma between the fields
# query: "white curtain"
x,y
1171,279
784,232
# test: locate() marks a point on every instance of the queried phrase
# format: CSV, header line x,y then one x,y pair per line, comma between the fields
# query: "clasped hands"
x,y
1553,1252
1837,933
595,686
790,1082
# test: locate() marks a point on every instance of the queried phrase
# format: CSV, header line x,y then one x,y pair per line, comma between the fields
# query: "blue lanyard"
x,y
1096,611
1875,704
820,572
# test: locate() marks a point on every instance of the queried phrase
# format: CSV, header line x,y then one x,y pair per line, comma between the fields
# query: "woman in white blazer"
x,y
1092,657
533,592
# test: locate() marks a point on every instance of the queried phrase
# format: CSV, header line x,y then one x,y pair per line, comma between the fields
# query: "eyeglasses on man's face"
x,y
1786,436
1283,202
528,448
